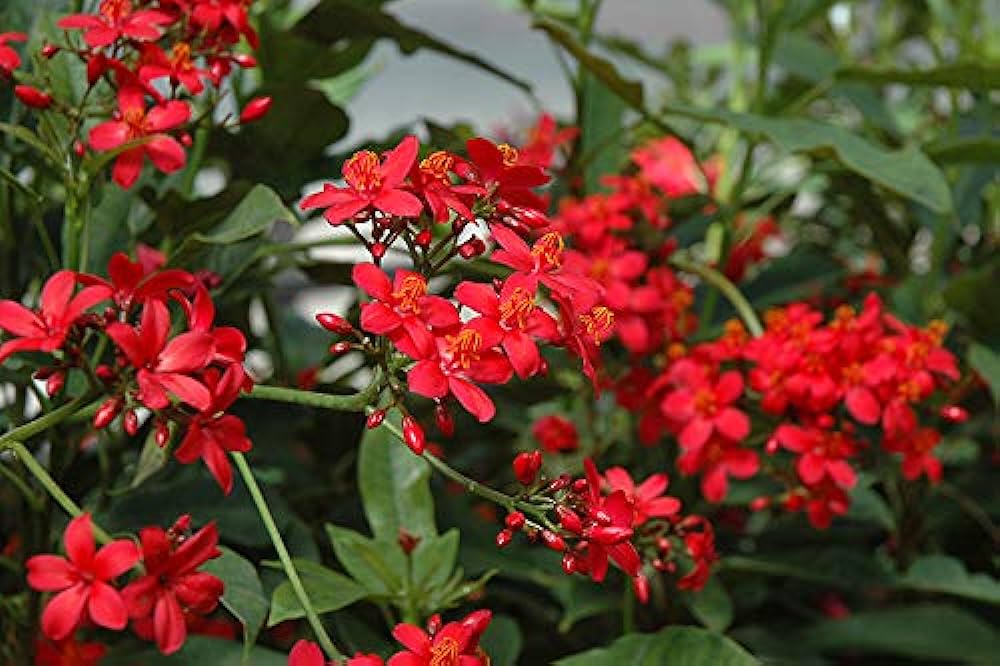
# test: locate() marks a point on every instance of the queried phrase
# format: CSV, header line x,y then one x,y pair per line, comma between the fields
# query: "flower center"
x,y
516,308
508,154
116,10
704,401
598,323
548,251
180,55
437,165
135,118
361,172
464,348
444,652
411,290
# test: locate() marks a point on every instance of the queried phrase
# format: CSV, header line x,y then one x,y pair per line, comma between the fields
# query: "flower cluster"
x,y
453,644
159,59
165,596
488,332
599,519
185,380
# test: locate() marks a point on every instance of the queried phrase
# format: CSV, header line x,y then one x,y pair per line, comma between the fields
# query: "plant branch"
x,y
728,289
355,402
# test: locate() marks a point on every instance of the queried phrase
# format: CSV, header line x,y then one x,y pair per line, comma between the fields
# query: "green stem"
x,y
728,289
286,559
44,422
50,485
29,495
355,402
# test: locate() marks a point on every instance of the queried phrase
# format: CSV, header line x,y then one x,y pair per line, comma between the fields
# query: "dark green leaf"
x,y
947,575
712,605
243,595
434,560
965,150
971,75
601,115
920,632
673,646
376,565
987,363
196,650
502,641
152,458
328,591
907,172
395,487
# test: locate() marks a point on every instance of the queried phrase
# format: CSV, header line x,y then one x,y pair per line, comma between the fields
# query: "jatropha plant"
x,y
494,297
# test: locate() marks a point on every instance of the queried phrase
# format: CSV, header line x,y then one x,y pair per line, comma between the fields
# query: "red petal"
x,y
107,609
79,542
63,612
399,161
426,379
19,320
695,433
306,653
168,116
473,398
186,389
378,318
56,293
523,354
127,168
729,387
479,297
166,154
49,573
398,202
413,639
862,405
733,423
168,624
115,559
108,135
188,352
373,281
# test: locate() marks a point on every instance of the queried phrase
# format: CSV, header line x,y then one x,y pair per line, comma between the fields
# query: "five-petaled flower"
x,y
116,20
9,58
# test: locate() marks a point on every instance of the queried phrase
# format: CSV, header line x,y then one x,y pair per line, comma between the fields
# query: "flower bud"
x,y
526,466
79,149
569,563
107,412
514,520
408,542
255,109
341,347
471,249
954,413
760,503
569,520
378,250
608,535
33,97
54,384
772,446
503,538
96,66
186,140
375,419
423,239
476,622
413,435
49,50
334,323
444,420
640,585
162,433
105,373
131,422
245,60
553,541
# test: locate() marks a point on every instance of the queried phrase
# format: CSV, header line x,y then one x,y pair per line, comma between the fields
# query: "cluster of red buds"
x,y
185,380
601,519
160,59
165,596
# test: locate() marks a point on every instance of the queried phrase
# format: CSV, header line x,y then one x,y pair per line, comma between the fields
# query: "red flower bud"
x,y
79,149
131,422
218,69
255,109
526,466
107,412
413,435
186,140
954,413
608,535
663,545
54,384
580,486
472,248
378,250
503,538
423,239
569,563
105,373
476,622
445,421
334,323
514,520
375,419
760,503
96,66
245,60
640,585
568,519
49,50
33,97
408,542
772,446
162,433
553,541
341,347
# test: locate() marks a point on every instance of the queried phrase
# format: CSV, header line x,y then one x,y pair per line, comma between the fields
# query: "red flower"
x,y
460,359
83,580
117,20
455,644
306,653
556,434
544,261
134,123
497,169
918,453
370,184
583,334
822,454
700,545
431,179
647,499
514,312
717,460
179,66
68,652
402,309
211,435
668,164
135,282
172,587
164,367
225,16
544,140
46,329
9,58
613,511
703,408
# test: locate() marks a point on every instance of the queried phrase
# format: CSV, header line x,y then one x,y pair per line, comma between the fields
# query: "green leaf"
x,y
921,632
947,575
502,641
375,565
604,70
243,595
601,116
152,458
673,646
395,488
964,295
335,20
965,150
868,505
987,363
434,560
26,136
712,605
907,172
196,650
971,75
328,591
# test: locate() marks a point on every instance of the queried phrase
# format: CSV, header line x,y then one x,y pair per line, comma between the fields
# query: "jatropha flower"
x,y
115,20
370,184
9,58
136,123
172,589
555,433
46,329
83,580
68,652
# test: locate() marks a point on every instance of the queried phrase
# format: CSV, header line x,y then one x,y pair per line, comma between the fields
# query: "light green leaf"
x,y
375,565
673,646
152,458
395,488
502,641
243,595
434,560
601,147
328,591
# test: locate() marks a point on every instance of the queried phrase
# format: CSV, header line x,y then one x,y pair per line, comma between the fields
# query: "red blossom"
x,y
669,165
68,652
116,19
702,407
9,58
134,282
496,168
555,434
647,499
84,581
716,460
179,65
